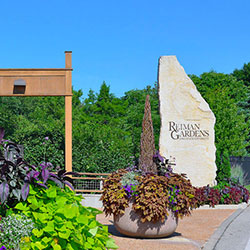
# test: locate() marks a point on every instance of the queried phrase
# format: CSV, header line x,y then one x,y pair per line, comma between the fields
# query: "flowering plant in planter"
x,y
152,195
152,187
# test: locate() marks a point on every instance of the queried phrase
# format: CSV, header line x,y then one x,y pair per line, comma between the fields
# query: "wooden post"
x,y
68,113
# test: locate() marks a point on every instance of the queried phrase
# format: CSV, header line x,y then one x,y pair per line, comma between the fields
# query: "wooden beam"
x,y
88,191
68,113
45,82
104,174
88,178
68,133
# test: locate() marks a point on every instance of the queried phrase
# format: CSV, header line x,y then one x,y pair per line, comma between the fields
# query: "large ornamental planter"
x,y
130,224
147,199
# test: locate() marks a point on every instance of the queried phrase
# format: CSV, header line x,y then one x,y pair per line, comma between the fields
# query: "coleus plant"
x,y
227,192
16,175
152,195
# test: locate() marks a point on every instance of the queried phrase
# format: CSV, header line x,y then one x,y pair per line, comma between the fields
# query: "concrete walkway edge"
x,y
213,240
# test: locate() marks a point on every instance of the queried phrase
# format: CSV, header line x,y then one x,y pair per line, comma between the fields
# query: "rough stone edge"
x,y
233,206
179,241
213,240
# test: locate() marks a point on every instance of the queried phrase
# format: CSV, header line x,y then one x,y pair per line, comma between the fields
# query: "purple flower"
x,y
3,248
157,155
46,139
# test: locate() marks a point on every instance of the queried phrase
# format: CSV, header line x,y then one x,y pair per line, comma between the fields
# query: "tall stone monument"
x,y
187,124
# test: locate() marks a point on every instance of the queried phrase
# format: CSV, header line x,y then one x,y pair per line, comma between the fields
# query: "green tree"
x,y
244,75
100,142
224,93
28,120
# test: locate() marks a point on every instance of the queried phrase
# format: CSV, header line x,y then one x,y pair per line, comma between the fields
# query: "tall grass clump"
x,y
237,174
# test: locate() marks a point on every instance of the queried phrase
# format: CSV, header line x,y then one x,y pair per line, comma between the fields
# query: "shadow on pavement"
x,y
112,230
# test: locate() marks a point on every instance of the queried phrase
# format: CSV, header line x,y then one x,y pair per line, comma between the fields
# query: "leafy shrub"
x,y
100,148
62,222
223,165
207,195
232,192
226,192
14,229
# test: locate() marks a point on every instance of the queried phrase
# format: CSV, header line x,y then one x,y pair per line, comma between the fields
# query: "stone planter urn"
x,y
130,224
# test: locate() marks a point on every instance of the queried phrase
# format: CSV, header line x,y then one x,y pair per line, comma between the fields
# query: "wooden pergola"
x,y
44,82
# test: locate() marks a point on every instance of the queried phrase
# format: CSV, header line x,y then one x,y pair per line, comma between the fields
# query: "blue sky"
x,y
120,41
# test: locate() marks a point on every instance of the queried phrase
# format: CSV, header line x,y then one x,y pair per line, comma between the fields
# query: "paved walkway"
x,y
192,233
233,234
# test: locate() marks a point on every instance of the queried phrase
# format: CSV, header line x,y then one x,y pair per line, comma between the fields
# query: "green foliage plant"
x,y
129,178
15,229
248,187
223,165
62,222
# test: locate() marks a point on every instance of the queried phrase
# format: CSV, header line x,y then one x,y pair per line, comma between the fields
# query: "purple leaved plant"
x,y
164,167
16,175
